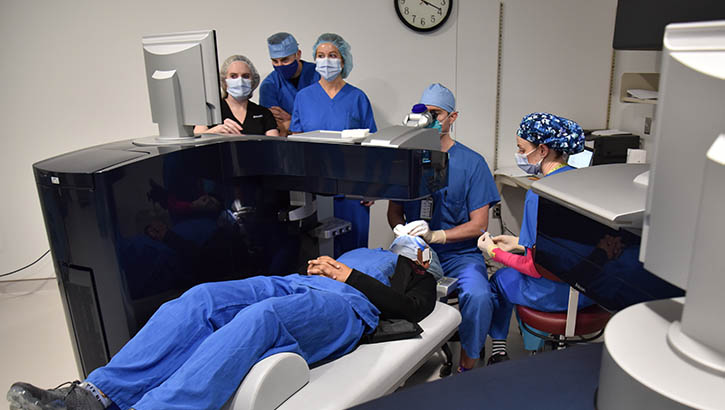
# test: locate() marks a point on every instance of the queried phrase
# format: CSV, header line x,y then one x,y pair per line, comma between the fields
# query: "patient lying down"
x,y
195,350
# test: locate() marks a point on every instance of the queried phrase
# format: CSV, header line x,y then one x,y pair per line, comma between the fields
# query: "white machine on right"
x,y
670,354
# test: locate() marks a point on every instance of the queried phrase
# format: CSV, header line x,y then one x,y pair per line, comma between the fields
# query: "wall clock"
x,y
423,15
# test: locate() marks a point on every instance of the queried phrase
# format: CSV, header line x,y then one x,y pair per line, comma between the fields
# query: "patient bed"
x,y
285,381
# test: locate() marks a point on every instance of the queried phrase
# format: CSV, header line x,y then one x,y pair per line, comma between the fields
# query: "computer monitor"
x,y
640,24
689,118
183,80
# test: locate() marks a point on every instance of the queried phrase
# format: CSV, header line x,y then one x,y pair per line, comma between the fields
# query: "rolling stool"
x,y
565,327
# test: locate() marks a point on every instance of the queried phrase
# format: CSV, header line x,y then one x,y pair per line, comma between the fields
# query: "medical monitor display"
x,y
689,118
640,24
183,81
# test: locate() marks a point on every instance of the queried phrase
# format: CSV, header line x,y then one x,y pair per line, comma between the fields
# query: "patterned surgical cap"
x,y
558,133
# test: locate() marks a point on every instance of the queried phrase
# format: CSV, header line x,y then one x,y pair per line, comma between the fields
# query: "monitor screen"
x,y
183,81
640,24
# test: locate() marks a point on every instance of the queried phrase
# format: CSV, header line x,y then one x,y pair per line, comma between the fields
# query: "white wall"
x,y
630,117
556,58
73,74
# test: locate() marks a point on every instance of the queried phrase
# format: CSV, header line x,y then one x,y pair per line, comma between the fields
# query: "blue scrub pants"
x,y
195,350
474,298
510,287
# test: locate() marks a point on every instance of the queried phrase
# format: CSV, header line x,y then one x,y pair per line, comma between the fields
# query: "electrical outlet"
x,y
497,211
647,125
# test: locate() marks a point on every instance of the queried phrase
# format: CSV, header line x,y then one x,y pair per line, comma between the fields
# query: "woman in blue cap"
x,y
452,220
334,105
544,143
291,74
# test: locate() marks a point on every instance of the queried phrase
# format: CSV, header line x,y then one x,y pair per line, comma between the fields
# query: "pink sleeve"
x,y
522,263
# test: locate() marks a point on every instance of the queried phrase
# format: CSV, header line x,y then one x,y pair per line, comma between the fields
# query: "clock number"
x,y
440,12
422,22
413,18
406,12
432,18
443,2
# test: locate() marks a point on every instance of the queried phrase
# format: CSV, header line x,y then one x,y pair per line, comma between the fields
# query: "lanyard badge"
x,y
426,208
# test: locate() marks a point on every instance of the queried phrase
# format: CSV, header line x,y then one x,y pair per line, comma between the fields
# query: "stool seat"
x,y
588,320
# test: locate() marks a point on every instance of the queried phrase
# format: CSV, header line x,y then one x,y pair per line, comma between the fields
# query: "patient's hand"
x,y
507,243
326,266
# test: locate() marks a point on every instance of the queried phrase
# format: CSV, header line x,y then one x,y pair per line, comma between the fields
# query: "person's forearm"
x,y
415,304
395,214
522,263
463,232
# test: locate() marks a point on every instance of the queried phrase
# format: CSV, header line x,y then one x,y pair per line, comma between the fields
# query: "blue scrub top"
x,y
276,91
470,187
527,236
315,110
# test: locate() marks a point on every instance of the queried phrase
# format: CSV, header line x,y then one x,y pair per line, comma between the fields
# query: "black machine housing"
x,y
131,227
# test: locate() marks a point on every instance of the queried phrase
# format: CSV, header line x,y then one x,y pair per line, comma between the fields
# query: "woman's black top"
x,y
258,121
410,296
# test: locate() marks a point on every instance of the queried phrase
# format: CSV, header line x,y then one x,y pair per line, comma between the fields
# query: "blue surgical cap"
x,y
407,246
439,96
558,133
281,45
341,45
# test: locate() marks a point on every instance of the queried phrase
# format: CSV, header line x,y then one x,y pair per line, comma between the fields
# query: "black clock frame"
x,y
423,30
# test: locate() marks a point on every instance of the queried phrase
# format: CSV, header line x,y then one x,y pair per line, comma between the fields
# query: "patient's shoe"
x,y
24,396
497,358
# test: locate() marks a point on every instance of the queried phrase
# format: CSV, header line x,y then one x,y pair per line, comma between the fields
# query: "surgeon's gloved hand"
x,y
507,243
400,230
421,228
326,266
486,244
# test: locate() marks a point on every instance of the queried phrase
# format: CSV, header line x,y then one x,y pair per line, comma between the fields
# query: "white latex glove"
x,y
507,243
418,228
400,230
486,244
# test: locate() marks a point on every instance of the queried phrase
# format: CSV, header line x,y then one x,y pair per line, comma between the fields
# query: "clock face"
x,y
423,15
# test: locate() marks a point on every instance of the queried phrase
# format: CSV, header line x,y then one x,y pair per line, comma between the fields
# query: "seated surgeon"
x,y
195,350
239,79
544,143
455,217
291,74
334,105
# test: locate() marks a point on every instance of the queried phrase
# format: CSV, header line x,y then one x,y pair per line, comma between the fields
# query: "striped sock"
x,y
498,346
97,393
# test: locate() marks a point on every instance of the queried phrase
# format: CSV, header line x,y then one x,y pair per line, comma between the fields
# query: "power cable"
x,y
26,266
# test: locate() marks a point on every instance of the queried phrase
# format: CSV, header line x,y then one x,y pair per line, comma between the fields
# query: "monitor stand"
x,y
642,369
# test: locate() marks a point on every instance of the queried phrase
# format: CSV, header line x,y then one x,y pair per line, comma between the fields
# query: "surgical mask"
x,y
287,71
329,68
239,88
523,162
436,125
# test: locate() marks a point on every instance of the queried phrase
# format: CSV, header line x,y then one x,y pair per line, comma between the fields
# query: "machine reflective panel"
x,y
601,262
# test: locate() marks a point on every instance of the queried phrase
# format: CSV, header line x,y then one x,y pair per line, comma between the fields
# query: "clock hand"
x,y
432,5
